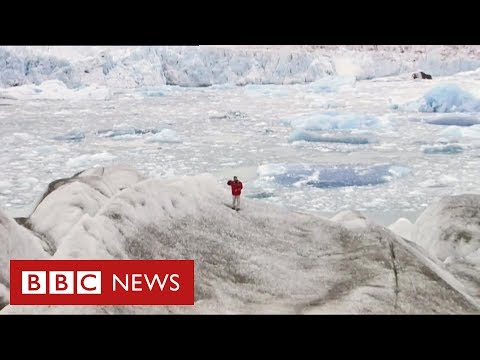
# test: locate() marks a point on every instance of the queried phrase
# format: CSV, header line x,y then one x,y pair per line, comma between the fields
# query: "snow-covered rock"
x,y
451,227
450,230
16,242
263,259
351,219
68,200
402,227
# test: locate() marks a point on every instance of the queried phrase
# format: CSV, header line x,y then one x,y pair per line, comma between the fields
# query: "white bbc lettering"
x,y
123,285
157,280
137,282
176,288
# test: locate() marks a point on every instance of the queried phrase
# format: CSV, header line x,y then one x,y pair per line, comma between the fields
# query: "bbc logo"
x,y
61,282
102,282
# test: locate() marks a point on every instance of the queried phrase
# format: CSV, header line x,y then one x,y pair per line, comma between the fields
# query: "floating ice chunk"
x,y
453,132
313,178
72,136
398,171
124,132
230,115
334,121
458,132
301,135
164,136
455,120
443,149
448,98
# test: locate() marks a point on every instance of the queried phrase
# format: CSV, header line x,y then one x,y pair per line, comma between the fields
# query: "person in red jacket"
x,y
237,187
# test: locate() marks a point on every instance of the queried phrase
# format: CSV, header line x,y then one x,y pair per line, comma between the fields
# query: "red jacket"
x,y
236,187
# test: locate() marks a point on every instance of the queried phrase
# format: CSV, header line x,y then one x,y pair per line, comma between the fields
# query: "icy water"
x,y
364,150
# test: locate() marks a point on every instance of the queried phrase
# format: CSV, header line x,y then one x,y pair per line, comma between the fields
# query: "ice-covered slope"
x,y
450,231
16,242
62,206
451,227
263,259
127,67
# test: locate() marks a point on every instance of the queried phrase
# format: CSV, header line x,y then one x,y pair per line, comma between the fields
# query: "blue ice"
x,y
299,135
455,120
71,136
446,149
449,98
333,121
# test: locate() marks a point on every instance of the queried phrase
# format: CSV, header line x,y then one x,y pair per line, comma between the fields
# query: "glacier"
x,y
133,67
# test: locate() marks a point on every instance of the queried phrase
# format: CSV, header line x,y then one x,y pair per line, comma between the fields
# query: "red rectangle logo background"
x,y
122,269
